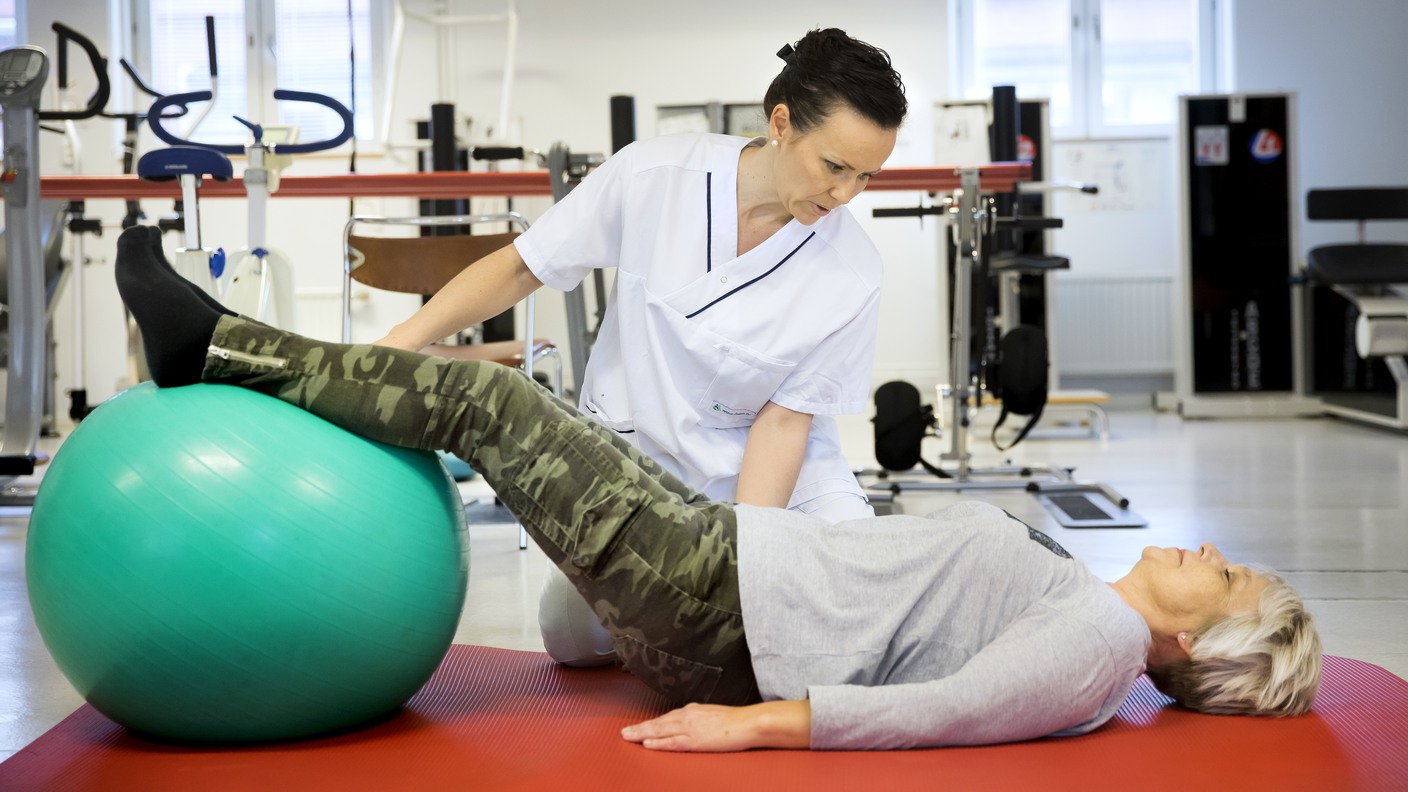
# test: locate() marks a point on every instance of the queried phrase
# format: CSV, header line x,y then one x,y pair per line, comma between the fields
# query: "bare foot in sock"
x,y
160,255
176,324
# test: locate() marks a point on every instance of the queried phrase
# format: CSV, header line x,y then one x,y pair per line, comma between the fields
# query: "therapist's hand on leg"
x,y
772,457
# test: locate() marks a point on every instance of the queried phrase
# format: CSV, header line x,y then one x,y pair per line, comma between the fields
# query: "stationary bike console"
x,y
22,74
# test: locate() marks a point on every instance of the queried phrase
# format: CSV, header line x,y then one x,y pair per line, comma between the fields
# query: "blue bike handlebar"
x,y
154,121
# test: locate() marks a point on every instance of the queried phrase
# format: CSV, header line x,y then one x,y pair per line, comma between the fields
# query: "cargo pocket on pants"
x,y
575,493
678,679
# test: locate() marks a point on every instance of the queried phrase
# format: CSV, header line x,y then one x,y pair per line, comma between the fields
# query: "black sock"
x,y
176,324
160,255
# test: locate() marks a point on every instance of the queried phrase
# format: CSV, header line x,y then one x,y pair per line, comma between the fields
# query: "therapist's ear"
x,y
779,122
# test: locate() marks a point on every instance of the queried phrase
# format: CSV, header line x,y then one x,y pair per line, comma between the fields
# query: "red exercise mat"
x,y
507,720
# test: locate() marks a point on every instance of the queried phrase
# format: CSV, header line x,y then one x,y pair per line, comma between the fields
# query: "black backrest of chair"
x,y
1357,203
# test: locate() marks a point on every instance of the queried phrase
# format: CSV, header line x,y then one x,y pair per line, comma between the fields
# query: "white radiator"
x,y
319,313
1114,325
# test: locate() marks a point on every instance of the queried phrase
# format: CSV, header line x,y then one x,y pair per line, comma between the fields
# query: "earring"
x,y
774,141
1183,637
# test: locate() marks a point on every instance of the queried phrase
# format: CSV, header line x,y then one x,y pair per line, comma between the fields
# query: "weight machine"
x,y
981,223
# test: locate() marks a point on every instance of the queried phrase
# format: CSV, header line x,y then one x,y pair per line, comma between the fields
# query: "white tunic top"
x,y
698,339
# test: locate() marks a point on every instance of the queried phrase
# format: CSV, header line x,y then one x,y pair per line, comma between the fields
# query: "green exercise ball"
x,y
208,563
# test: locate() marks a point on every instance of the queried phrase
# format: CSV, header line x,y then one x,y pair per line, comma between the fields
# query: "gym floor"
x,y
1322,500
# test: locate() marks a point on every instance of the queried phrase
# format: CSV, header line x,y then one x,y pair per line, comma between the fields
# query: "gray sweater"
x,y
962,627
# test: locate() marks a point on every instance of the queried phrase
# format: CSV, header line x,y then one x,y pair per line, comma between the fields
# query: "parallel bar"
x,y
995,178
449,184
999,177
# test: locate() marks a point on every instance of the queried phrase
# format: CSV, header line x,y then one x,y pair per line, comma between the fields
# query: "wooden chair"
x,y
424,264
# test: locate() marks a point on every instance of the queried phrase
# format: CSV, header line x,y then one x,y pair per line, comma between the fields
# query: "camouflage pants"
x,y
656,561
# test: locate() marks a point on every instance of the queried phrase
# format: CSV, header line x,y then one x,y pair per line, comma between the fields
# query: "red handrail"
x,y
998,177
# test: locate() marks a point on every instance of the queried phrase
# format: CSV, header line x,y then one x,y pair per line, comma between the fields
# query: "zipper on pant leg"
x,y
244,357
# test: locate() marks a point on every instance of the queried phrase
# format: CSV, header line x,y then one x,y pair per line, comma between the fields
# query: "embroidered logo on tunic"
x,y
720,408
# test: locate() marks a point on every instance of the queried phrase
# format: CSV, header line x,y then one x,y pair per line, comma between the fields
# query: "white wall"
x,y
1347,63
1342,59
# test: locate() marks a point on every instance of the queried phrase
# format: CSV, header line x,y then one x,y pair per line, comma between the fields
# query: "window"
x,y
304,45
1109,67
181,64
316,43
9,25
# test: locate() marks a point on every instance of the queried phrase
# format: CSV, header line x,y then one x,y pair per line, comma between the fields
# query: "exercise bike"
x,y
77,223
33,266
257,281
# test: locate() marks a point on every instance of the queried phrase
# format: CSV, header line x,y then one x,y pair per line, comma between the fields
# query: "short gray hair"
x,y
1262,663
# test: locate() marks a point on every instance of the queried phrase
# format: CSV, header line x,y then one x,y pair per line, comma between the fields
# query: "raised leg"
x,y
660,572
658,566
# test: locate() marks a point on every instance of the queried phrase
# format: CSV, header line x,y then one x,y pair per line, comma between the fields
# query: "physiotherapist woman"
x,y
744,308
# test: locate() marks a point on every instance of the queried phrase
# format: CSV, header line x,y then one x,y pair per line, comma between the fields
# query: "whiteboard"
x,y
961,132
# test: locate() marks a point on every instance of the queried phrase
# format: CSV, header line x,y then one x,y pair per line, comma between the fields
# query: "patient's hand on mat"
x,y
712,728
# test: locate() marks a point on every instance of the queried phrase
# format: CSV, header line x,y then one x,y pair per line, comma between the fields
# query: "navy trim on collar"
x,y
593,411
755,280
709,221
